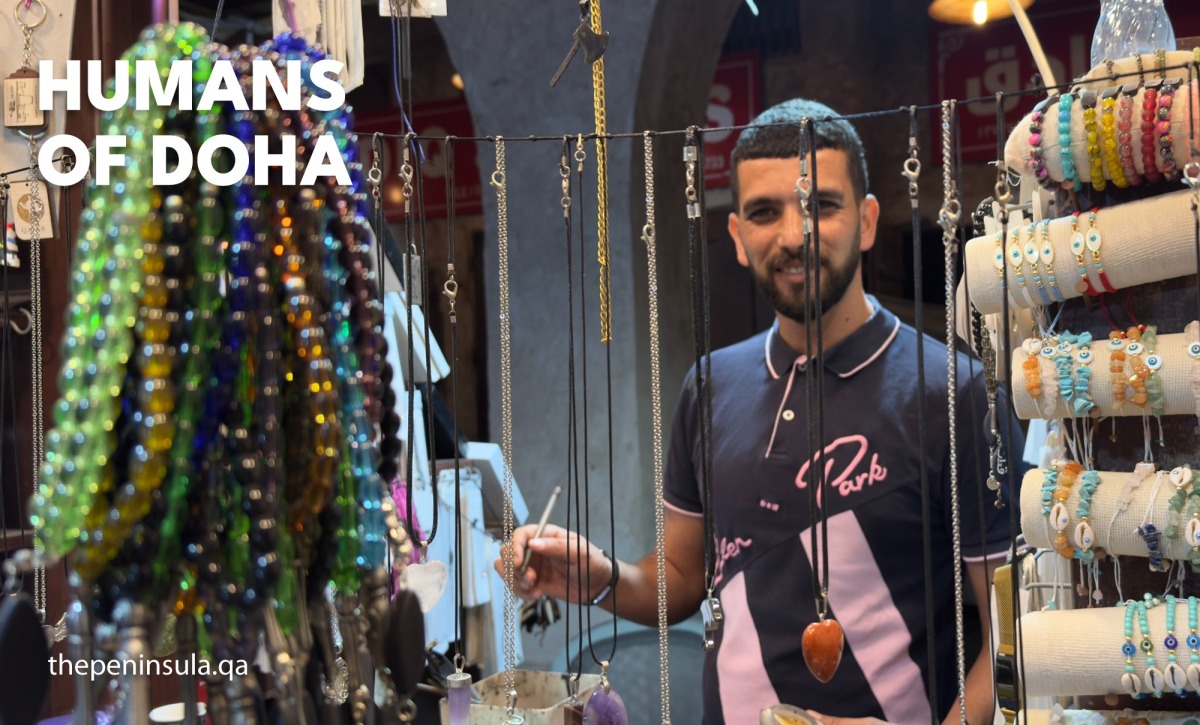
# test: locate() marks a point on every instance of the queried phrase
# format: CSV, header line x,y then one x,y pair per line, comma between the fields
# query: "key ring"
x,y
28,4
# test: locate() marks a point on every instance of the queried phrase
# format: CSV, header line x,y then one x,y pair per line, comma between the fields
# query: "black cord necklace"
x,y
823,641
693,159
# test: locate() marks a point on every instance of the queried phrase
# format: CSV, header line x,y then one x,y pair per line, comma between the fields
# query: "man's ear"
x,y
735,233
868,213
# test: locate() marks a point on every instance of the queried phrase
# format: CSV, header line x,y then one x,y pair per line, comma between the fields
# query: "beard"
x,y
790,299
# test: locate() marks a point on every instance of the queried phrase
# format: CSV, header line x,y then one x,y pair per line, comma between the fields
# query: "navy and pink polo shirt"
x,y
761,471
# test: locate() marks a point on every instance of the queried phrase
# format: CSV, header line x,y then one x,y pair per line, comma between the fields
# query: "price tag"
x,y
21,101
21,215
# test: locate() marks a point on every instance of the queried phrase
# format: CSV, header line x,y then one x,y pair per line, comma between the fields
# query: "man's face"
x,y
768,230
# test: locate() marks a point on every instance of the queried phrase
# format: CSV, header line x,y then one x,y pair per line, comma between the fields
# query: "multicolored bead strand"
x,y
1153,676
1176,677
1130,682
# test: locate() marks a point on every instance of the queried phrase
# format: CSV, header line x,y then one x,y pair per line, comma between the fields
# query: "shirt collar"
x,y
853,354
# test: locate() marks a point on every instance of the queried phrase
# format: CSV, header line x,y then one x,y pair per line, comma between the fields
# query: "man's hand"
x,y
556,552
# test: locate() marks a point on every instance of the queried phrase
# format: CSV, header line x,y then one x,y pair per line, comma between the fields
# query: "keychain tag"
x,y
21,216
21,101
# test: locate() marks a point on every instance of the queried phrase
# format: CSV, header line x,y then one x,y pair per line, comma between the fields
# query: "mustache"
x,y
786,259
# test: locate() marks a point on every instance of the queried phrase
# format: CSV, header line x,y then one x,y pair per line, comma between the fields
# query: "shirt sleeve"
x,y
985,529
681,488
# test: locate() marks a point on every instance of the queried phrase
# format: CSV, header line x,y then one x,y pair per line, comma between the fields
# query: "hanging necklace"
x,y
710,608
598,108
459,682
949,215
660,540
499,182
823,640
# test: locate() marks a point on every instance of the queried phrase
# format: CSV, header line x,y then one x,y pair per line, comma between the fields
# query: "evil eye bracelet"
x,y
1094,240
1153,677
1125,133
1193,643
1087,99
1078,247
1016,260
1033,257
1131,683
1047,256
1193,333
1108,136
1173,675
1135,349
1154,386
1166,140
1149,123
1085,538
1064,358
1066,152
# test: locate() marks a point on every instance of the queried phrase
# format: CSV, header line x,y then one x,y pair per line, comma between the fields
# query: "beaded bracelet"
x,y
1094,240
1193,332
1078,246
1064,357
1153,678
1085,538
1060,516
1149,122
1083,403
1049,377
1116,367
1151,534
1033,257
1173,674
1135,349
1125,133
1071,180
1047,256
1193,643
1181,478
1166,140
1087,99
1016,260
1032,367
98,342
1108,135
1037,165
998,260
1154,386
1191,531
1130,682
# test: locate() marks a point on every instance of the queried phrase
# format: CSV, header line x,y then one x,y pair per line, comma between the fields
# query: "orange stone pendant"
x,y
822,646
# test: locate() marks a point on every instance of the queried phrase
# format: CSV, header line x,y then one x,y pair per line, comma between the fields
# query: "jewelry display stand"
x,y
1133,252
542,701
1078,651
1016,150
1124,539
1176,375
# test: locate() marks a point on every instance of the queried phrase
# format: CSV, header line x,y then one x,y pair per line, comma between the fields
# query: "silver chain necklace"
x,y
948,218
660,533
506,442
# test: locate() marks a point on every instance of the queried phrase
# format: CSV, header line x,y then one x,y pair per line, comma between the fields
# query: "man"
x,y
761,471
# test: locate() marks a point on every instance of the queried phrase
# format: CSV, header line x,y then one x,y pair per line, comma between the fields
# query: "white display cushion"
x,y
1077,652
1121,537
1176,373
1016,149
1144,241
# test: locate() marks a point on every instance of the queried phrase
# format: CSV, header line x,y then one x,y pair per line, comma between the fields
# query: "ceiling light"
x,y
456,81
967,12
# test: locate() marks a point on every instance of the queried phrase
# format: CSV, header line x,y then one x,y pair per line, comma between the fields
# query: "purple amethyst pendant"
x,y
605,707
